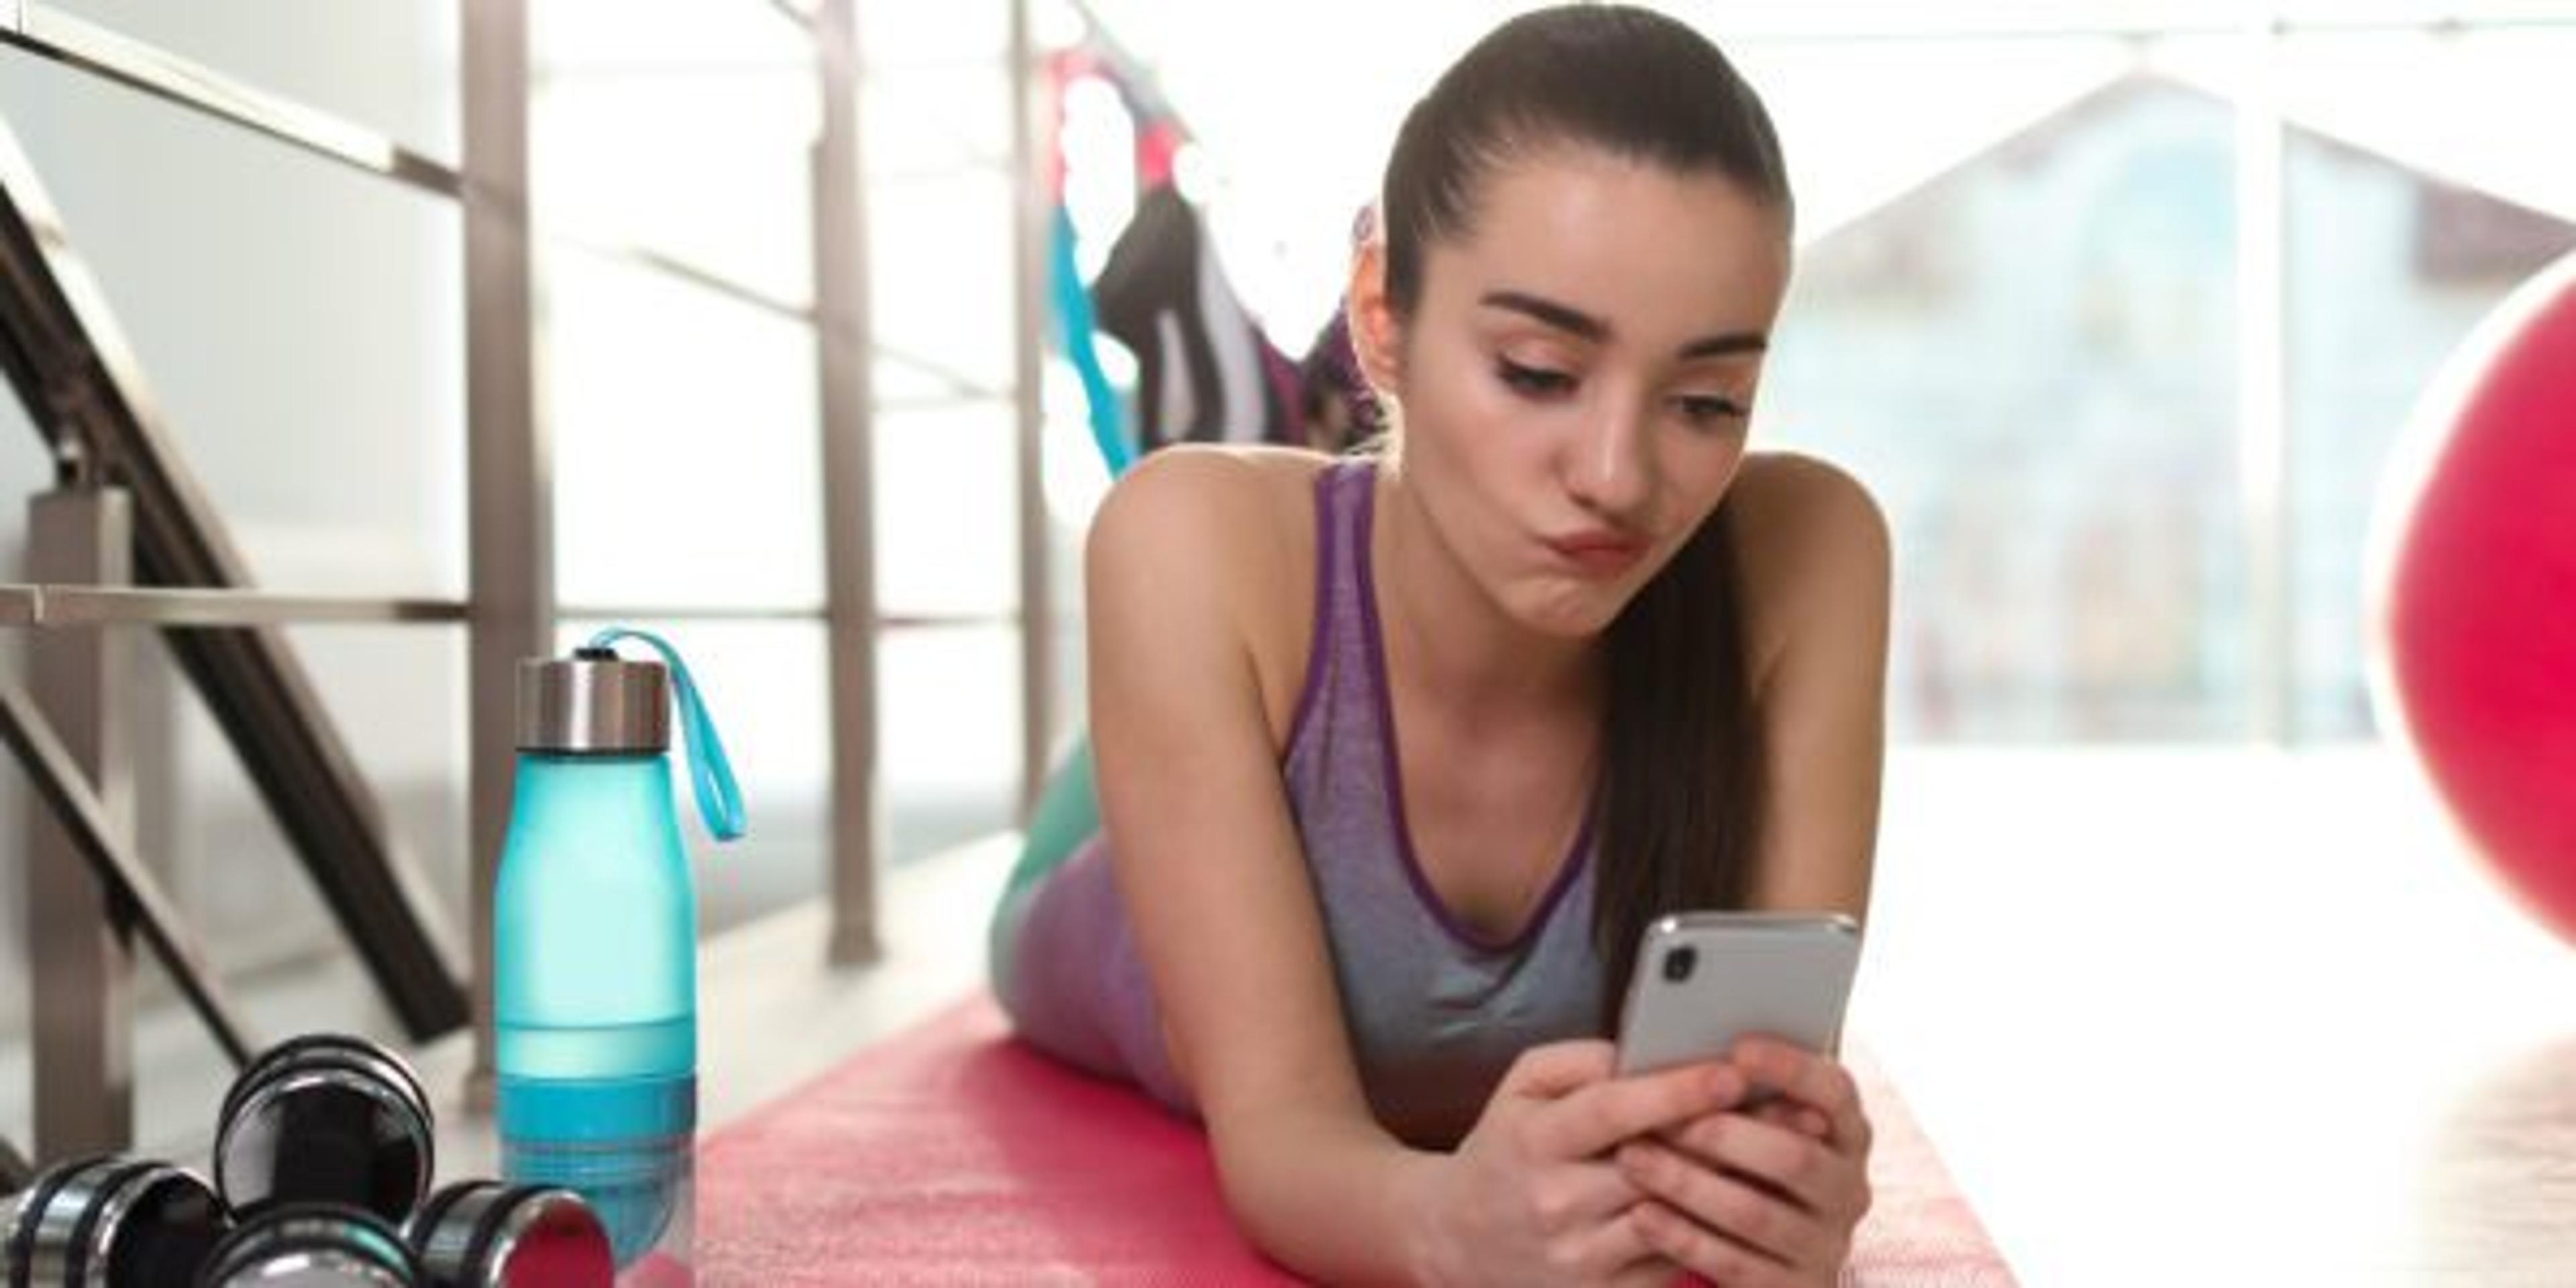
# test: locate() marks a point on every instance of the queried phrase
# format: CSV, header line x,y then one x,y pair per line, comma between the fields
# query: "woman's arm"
x,y
1816,577
1208,862
1183,559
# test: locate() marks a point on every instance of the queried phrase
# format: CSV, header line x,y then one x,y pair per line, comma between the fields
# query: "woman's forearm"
x,y
1337,1200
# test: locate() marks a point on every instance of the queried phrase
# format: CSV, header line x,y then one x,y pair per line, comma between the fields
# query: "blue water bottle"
x,y
595,946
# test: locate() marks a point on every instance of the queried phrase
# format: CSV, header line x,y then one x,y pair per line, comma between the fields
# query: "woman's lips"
x,y
1598,554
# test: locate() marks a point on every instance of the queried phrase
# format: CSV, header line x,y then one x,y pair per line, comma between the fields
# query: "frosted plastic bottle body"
x,y
595,999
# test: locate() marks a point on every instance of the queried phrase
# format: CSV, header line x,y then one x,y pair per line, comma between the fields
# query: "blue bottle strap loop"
x,y
719,797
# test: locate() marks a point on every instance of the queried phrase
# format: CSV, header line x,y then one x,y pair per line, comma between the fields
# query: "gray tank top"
x,y
1436,1013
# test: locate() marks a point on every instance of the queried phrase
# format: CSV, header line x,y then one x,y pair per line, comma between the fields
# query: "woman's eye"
x,y
1709,409
1536,382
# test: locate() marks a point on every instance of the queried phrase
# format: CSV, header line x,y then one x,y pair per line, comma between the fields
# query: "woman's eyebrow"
x,y
1564,317
1574,321
1714,346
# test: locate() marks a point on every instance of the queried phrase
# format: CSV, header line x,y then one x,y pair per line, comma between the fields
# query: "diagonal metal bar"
x,y
131,888
959,385
69,362
670,264
15,1170
46,32
114,56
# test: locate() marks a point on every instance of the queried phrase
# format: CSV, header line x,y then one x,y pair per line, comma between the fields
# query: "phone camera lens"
x,y
1679,963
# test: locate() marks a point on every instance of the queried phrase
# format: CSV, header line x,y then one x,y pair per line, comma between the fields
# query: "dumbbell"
x,y
489,1234
110,1223
325,1118
311,1245
322,1146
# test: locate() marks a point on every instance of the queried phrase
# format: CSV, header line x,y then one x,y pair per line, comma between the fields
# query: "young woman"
x,y
1399,755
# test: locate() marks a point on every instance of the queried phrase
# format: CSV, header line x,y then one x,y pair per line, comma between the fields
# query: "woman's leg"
x,y
1067,814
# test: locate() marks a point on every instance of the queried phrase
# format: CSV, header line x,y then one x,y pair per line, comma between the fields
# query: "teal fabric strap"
x,y
719,796
1075,327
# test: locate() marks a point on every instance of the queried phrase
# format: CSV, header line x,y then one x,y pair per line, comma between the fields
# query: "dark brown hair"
x,y
1682,763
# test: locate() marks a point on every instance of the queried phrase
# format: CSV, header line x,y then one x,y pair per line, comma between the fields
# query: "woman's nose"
x,y
1607,467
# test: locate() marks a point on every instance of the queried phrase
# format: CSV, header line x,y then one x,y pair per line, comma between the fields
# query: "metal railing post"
x,y
510,503
1031,211
81,960
842,334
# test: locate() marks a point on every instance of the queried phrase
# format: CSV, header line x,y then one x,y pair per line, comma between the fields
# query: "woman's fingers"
x,y
1761,1194
1803,1169
1559,1069
1579,1197
1796,1117
1711,1255
1598,1118
1812,1080
1654,1271
1761,1221
1618,1253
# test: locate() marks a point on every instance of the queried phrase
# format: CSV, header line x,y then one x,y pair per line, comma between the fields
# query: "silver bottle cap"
x,y
594,701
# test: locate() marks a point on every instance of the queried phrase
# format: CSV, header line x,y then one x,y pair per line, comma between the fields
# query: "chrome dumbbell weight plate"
x,y
111,1223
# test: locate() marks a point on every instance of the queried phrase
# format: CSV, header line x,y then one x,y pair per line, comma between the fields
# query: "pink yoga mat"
x,y
952,1154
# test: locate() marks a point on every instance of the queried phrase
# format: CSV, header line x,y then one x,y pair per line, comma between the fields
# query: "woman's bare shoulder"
x,y
1202,481
1217,537
1812,547
1238,507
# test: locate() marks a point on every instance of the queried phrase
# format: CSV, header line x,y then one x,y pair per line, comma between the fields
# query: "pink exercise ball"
x,y
2474,580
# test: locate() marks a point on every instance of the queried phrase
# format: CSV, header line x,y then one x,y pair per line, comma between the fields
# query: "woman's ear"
x,y
1377,334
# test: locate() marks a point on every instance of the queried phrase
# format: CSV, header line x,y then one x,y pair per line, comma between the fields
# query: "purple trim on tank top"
x,y
1327,542
1567,868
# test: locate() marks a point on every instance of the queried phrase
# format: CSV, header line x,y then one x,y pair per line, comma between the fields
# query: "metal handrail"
x,y
816,613
56,605
135,895
40,606
680,268
139,65
70,365
961,388
76,42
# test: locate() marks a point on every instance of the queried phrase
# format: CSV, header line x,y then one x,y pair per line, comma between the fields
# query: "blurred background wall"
x,y
2119,308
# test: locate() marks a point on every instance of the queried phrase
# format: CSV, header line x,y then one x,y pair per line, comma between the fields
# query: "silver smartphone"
x,y
1703,979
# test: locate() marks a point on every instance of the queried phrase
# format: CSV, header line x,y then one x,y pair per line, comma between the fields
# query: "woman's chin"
x,y
1558,613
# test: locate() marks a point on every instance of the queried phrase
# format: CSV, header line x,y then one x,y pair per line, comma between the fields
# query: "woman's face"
x,y
1575,379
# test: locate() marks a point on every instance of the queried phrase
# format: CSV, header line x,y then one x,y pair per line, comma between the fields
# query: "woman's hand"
x,y
1765,1198
1534,1196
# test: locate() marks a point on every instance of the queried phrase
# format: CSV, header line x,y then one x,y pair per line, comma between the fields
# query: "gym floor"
x,y
2237,1017
2172,1016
